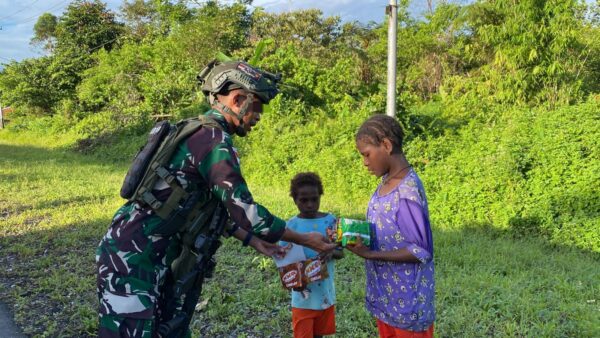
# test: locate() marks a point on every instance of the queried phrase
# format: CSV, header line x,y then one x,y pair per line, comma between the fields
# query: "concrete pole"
x,y
392,12
1,117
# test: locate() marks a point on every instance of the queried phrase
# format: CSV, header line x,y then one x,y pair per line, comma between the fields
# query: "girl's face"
x,y
375,158
308,201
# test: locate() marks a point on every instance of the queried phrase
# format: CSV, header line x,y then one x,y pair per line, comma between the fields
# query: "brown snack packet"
x,y
291,275
314,270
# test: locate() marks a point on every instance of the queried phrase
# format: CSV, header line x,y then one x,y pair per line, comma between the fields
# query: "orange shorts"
x,y
308,323
388,331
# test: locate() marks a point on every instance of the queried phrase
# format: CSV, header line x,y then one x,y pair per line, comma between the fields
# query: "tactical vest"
x,y
151,164
186,212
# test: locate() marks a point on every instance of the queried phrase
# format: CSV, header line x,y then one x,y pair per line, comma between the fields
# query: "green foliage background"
x,y
499,100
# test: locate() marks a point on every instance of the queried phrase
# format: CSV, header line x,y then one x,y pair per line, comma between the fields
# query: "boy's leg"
x,y
325,322
303,321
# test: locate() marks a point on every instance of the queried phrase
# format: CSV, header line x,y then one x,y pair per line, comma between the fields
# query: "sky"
x,y
17,17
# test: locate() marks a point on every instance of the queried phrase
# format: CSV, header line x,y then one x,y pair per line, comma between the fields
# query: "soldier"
x,y
150,271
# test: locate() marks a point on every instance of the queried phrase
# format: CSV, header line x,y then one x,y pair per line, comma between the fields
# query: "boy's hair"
x,y
379,127
305,179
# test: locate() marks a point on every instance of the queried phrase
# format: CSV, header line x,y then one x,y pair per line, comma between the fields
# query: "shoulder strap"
x,y
158,167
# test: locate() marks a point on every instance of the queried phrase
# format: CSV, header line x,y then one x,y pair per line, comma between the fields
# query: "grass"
x,y
55,205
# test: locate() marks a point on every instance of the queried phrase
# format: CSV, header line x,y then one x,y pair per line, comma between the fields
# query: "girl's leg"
x,y
388,331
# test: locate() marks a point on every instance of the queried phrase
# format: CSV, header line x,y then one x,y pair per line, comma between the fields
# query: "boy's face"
x,y
308,201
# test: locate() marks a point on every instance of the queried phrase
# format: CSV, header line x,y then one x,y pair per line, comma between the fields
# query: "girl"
x,y
399,262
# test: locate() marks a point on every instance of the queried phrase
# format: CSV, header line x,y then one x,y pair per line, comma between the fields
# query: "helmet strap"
x,y
247,102
224,108
240,115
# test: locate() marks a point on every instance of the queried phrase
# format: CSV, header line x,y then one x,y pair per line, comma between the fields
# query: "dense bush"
x,y
533,172
530,172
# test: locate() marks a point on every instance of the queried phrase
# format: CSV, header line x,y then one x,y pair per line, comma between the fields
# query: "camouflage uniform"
x,y
133,264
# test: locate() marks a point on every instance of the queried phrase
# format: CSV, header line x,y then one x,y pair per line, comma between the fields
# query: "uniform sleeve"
x,y
290,224
415,228
219,165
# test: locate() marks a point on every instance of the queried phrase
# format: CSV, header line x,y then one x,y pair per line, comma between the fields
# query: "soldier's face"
x,y
252,115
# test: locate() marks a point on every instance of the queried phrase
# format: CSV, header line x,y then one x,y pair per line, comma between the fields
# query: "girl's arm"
x,y
401,255
417,247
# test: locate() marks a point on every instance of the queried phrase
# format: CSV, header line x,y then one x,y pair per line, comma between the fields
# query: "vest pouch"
x,y
171,225
142,159
191,212
184,263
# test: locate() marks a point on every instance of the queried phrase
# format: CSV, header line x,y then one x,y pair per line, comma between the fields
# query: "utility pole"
x,y
392,12
1,116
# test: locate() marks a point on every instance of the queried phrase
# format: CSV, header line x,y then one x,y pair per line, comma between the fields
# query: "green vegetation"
x,y
487,282
499,100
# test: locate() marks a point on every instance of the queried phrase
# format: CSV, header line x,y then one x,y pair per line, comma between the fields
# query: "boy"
x,y
313,309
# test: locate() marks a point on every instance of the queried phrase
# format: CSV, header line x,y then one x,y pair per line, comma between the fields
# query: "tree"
x,y
28,86
147,19
45,31
141,19
84,27
312,34
533,48
87,26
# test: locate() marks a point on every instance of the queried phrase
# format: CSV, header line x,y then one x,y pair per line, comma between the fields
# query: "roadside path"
x,y
8,329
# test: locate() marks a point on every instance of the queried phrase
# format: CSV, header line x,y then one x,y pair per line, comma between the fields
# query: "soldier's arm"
x,y
313,240
218,163
263,247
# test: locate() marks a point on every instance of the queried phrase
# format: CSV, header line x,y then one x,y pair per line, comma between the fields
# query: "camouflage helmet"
x,y
217,77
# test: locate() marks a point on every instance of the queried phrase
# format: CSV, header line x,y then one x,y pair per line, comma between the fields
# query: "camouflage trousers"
x,y
132,265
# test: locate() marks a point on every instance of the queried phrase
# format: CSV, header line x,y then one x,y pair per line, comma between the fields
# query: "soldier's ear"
x,y
237,98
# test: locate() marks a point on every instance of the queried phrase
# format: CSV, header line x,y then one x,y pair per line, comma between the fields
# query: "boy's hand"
x,y
331,234
360,249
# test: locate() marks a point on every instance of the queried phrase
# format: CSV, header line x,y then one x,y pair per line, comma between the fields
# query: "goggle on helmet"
x,y
219,76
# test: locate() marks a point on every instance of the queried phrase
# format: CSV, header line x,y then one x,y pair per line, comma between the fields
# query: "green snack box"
x,y
348,230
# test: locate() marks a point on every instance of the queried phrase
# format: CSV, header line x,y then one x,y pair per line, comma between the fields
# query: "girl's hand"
x,y
360,249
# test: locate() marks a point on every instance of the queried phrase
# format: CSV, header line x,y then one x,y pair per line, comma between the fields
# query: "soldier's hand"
x,y
313,240
318,242
266,248
326,257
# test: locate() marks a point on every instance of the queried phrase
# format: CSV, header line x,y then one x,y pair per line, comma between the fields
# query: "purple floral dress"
x,y
401,294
